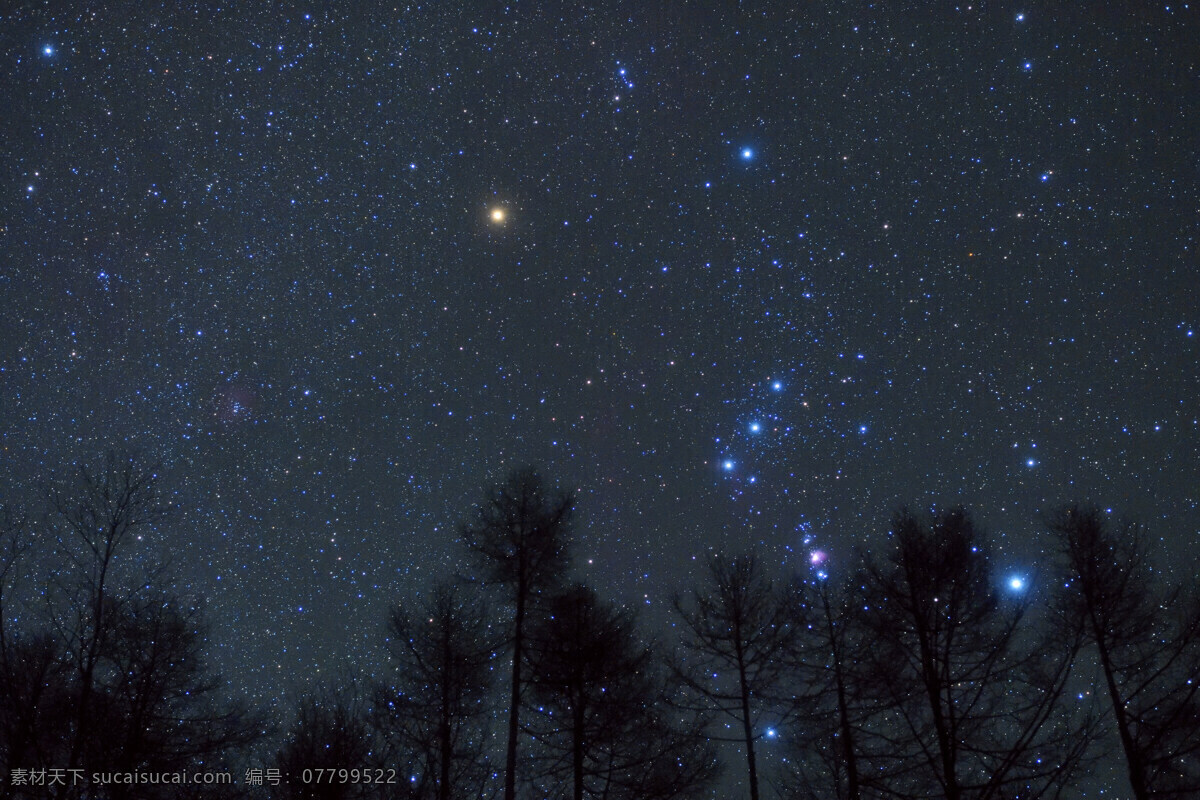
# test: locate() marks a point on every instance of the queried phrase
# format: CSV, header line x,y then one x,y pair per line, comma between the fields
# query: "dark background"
x,y
766,273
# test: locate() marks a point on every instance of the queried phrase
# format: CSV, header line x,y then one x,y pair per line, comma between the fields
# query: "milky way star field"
x,y
750,276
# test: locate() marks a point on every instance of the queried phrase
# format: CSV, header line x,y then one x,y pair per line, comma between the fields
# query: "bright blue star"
x,y
747,154
1020,17
728,465
777,386
1016,583
755,427
1029,462
770,733
1028,65
862,428
48,50
753,479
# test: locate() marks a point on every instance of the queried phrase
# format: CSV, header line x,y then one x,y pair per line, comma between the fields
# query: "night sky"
x,y
750,275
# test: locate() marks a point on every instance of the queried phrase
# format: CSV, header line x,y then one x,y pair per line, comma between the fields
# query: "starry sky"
x,y
740,275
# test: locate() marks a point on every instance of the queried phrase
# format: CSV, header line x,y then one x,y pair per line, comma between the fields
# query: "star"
x,y
313,325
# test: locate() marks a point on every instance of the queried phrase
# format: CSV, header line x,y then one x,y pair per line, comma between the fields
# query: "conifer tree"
x,y
519,538
434,704
974,697
737,633
1147,642
599,716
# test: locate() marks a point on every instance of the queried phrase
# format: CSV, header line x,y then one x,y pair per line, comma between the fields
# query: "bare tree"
x,y
597,690
519,539
106,671
831,734
666,757
94,521
332,732
32,684
1147,643
737,632
435,704
974,706
160,706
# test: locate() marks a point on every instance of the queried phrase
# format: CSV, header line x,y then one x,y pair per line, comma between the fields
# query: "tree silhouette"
x,y
833,706
158,706
595,686
33,681
736,635
917,675
105,672
518,536
94,521
332,731
1147,643
162,708
974,708
588,677
666,757
435,703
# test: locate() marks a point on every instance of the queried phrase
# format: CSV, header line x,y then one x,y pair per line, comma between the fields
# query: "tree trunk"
x,y
1137,771
747,729
933,691
843,712
92,656
444,742
510,760
577,752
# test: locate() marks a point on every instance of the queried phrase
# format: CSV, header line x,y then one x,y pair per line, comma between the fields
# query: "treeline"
x,y
101,660
913,672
